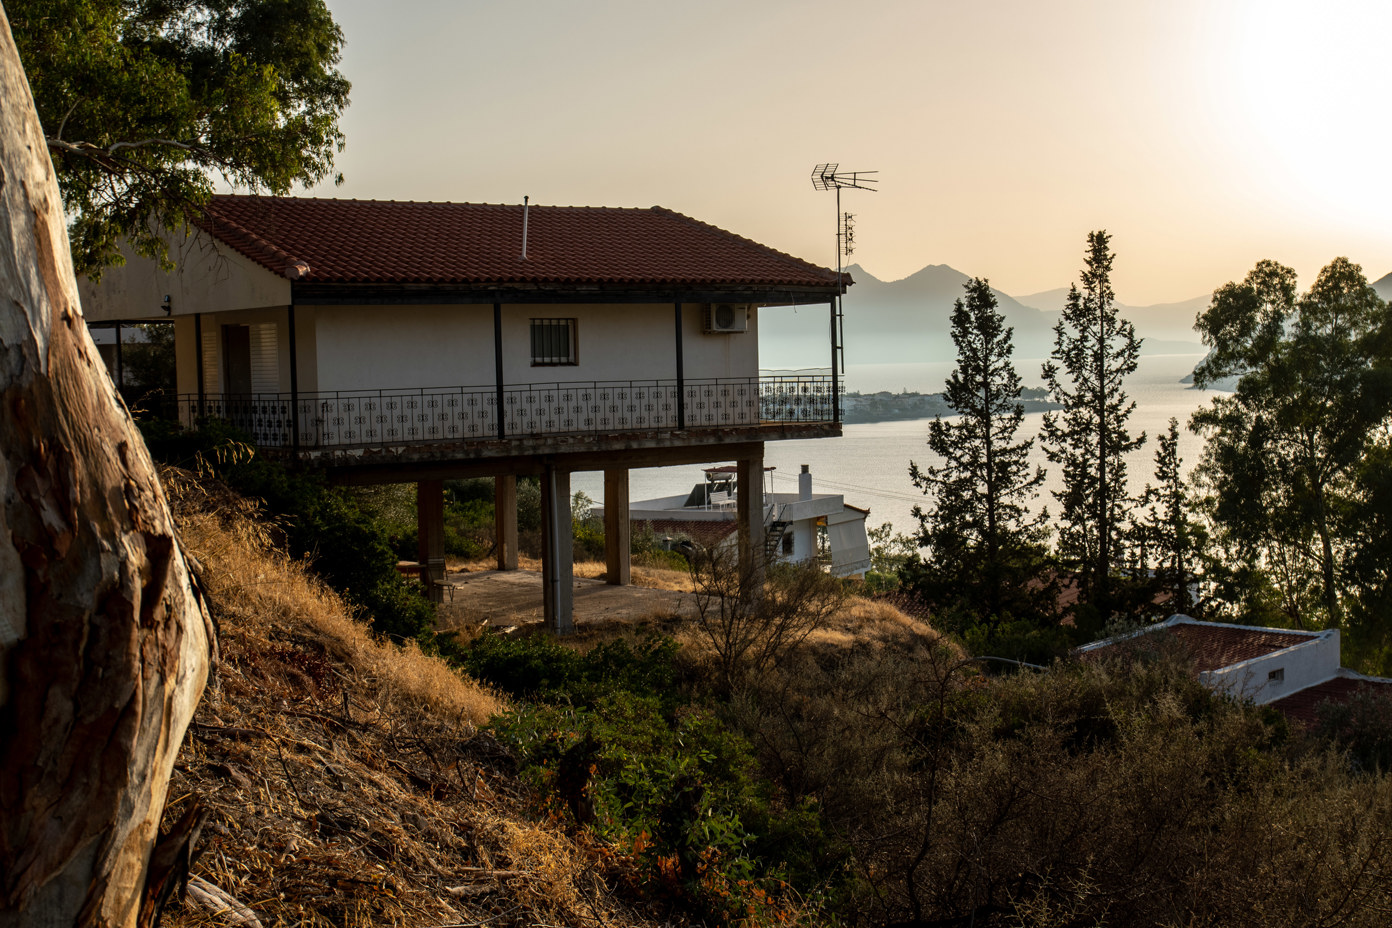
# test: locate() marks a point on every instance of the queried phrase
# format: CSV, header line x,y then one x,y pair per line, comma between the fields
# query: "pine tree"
x,y
982,540
1094,351
1171,535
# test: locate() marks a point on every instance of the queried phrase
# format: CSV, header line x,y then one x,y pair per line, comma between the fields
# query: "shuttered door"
x,y
212,377
265,359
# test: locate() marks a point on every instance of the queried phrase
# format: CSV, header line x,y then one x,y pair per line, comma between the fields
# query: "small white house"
x,y
796,525
1289,669
391,342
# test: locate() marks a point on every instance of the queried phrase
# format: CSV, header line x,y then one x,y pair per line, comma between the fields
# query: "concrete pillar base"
x,y
430,537
558,552
505,521
618,530
750,513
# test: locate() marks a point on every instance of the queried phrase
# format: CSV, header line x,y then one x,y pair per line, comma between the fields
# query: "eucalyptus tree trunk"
x,y
104,642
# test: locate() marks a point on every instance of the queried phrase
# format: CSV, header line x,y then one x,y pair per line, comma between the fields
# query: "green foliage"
x,y
1167,535
528,504
646,550
147,368
607,739
889,553
1094,351
587,530
147,102
1361,728
324,525
537,667
982,543
1026,640
677,791
1283,465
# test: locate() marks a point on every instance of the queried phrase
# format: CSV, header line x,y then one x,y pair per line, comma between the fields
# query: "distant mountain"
x,y
910,320
1050,301
1383,286
896,321
1166,327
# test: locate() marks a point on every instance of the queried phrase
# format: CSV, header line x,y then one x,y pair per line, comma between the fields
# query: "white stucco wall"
x,y
395,347
392,347
628,342
1299,666
207,277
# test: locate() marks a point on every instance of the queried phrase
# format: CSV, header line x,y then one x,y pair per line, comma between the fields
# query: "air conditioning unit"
x,y
724,318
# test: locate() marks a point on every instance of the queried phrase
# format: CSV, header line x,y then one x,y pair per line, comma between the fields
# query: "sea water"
x,y
869,463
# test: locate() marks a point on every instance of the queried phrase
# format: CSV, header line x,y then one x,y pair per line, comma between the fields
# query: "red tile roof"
x,y
705,532
1215,646
388,242
1211,646
1303,707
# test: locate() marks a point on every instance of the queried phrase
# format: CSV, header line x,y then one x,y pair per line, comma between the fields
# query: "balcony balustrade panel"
x,y
388,418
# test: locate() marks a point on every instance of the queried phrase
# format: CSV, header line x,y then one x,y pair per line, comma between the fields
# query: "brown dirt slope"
x,y
346,781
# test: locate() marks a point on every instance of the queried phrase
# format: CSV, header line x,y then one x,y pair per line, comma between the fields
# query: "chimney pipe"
x,y
805,483
524,227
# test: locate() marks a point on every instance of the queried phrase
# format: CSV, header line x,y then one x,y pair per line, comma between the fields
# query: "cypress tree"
x,y
1094,351
982,540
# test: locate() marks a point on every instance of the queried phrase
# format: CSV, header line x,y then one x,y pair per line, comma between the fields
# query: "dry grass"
x,y
652,578
864,621
346,780
262,590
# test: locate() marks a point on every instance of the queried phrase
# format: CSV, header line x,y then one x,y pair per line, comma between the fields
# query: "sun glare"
x,y
1309,91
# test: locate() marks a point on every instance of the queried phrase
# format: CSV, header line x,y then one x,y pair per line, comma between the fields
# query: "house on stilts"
x,y
392,342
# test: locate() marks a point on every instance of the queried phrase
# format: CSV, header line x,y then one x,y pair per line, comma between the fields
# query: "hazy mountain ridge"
x,y
1383,286
910,320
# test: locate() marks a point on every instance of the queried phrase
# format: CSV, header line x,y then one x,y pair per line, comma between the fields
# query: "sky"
x,y
1204,136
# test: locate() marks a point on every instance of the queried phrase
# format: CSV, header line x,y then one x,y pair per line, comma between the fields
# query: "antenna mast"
x,y
828,177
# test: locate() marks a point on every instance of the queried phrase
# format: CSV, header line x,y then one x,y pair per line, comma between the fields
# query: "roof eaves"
x,y
831,276
266,254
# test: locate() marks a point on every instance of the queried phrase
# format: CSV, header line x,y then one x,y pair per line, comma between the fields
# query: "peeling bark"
x,y
104,640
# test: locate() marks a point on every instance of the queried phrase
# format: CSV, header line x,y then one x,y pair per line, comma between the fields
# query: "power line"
x,y
887,494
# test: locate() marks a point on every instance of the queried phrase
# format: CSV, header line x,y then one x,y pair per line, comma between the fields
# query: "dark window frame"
x,y
549,335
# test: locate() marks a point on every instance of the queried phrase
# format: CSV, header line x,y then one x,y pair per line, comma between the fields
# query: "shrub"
x,y
324,525
1361,728
754,613
537,667
678,792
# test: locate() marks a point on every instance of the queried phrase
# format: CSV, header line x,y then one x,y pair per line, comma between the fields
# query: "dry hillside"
x,y
350,782
346,782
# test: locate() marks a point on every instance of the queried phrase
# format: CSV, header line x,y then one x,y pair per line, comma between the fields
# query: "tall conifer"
x,y
1094,351
979,532
1168,535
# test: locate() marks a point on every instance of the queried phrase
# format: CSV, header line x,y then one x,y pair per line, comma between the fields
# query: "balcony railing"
x,y
375,418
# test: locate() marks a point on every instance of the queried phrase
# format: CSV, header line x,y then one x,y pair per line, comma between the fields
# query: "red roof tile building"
x,y
1294,671
393,342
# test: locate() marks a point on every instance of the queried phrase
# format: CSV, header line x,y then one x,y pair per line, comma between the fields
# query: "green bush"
x,y
324,525
680,793
537,667
1361,728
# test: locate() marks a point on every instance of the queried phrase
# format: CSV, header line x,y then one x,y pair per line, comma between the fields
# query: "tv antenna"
x,y
830,177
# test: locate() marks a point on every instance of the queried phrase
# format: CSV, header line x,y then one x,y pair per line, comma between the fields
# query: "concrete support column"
x,y
804,530
557,552
505,520
618,530
430,536
750,512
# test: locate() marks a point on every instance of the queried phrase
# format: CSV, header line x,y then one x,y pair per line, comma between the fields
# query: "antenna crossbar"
x,y
827,177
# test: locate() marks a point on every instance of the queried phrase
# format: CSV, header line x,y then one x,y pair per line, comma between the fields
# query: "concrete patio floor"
x,y
513,597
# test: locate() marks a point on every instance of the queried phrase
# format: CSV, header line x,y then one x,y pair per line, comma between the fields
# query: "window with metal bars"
x,y
553,342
